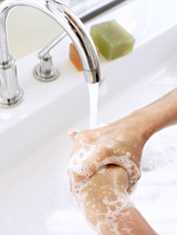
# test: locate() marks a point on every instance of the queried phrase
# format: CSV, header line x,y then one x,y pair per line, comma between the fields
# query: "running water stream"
x,y
94,102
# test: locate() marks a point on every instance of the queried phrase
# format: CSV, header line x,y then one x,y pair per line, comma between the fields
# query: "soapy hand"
x,y
119,143
103,156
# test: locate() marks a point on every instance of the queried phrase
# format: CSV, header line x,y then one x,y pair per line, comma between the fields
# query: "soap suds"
x,y
81,166
157,189
114,208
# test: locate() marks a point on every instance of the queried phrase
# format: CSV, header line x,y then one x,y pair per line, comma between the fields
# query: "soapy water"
x,y
94,104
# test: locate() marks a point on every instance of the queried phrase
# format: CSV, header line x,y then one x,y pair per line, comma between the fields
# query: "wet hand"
x,y
119,143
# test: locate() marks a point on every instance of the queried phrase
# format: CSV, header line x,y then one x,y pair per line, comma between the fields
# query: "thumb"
x,y
73,134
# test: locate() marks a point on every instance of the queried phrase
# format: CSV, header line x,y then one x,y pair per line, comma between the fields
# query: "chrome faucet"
x,y
10,90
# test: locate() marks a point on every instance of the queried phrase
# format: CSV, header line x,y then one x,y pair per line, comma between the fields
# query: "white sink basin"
x,y
35,149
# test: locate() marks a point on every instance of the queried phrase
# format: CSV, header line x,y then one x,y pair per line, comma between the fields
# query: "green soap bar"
x,y
112,40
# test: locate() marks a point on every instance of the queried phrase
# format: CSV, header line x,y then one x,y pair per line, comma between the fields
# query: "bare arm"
x,y
130,134
125,136
158,115
107,206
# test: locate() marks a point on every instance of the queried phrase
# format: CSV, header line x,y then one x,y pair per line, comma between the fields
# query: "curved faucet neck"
x,y
70,24
10,91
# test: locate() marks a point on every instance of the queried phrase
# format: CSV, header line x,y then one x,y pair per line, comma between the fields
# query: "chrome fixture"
x,y
45,71
10,91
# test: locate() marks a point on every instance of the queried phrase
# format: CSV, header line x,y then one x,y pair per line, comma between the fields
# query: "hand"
x,y
102,190
105,145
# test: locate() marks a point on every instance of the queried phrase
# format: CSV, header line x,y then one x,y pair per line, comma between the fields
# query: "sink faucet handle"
x,y
45,71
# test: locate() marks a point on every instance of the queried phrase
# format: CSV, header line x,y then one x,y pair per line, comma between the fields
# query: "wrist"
x,y
143,124
147,121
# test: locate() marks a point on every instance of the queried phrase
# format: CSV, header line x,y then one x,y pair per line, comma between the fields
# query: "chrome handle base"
x,y
45,70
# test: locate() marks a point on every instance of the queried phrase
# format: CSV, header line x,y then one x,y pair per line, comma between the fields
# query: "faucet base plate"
x,y
12,102
47,77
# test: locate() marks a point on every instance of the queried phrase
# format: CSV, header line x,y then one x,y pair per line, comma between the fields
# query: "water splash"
x,y
94,100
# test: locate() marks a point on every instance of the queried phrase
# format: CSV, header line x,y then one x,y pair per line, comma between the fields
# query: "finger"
x,y
73,133
86,161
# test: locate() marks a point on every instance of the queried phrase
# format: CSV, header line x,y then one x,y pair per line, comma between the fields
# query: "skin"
x,y
112,183
129,134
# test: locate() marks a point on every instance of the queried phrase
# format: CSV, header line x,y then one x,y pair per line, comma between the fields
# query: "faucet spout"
x,y
10,91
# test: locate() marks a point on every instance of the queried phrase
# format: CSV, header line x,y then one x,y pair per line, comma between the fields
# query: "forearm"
x,y
156,116
115,215
129,222
132,222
